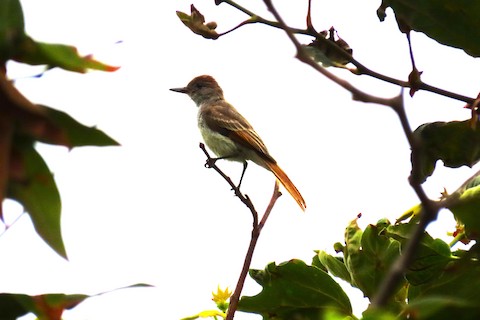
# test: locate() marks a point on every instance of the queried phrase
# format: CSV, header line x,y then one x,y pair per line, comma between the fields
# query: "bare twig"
x,y
360,68
232,308
244,198
256,230
357,94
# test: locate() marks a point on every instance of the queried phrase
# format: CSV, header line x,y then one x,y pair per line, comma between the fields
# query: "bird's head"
x,y
202,89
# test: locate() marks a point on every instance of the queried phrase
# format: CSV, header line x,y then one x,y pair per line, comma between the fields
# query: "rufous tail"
x,y
287,183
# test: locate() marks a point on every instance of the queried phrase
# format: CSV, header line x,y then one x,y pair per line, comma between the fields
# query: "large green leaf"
x,y
35,188
431,258
442,308
294,290
451,295
11,28
451,22
335,266
369,255
456,143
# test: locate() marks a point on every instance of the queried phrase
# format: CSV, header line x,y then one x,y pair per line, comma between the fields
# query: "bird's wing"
x,y
226,120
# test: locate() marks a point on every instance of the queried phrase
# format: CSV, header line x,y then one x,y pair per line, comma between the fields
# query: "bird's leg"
x,y
245,164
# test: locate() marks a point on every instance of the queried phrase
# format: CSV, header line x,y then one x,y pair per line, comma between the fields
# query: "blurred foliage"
x,y
45,306
24,175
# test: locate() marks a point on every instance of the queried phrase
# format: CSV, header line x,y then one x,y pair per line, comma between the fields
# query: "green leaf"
x,y
369,260
442,308
11,28
456,143
57,55
75,134
335,266
451,22
37,192
10,307
378,314
431,258
458,287
465,209
294,290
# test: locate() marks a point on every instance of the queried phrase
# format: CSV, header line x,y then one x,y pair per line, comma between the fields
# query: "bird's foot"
x,y
210,162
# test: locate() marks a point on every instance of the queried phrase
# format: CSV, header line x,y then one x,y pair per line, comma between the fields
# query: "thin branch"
x,y
248,21
9,225
357,94
244,198
232,308
256,18
410,50
310,26
256,230
360,68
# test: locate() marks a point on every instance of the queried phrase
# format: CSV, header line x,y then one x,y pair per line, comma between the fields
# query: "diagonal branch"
x,y
244,198
360,68
256,230
234,299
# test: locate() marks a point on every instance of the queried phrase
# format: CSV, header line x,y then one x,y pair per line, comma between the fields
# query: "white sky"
x,y
150,212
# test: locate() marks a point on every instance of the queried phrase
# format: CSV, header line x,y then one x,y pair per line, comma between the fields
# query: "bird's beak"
x,y
181,90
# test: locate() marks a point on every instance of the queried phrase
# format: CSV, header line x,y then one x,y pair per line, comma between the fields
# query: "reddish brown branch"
x,y
256,230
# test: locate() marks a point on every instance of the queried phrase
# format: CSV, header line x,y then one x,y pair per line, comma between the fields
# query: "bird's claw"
x,y
210,162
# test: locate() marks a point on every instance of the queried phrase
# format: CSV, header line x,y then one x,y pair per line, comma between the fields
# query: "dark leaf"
x,y
36,190
442,308
330,50
456,143
196,23
11,28
451,295
10,307
451,22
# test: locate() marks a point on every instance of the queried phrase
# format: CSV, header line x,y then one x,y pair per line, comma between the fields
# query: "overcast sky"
x,y
150,212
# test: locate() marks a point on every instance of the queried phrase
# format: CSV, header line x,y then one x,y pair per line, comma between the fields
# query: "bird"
x,y
229,135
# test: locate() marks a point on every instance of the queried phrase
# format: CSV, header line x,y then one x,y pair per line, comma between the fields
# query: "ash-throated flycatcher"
x,y
228,134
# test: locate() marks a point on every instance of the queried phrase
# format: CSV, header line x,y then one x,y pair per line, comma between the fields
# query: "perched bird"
x,y
228,134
